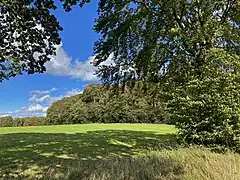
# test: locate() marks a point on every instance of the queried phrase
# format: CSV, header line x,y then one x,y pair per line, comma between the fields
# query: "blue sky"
x,y
67,73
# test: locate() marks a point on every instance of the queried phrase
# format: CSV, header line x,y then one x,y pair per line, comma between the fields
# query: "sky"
x,y
67,73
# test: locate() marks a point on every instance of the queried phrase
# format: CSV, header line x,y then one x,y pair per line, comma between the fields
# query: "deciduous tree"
x,y
190,47
28,35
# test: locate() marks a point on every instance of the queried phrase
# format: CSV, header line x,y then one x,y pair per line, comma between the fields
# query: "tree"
x,y
190,47
206,107
99,104
6,121
28,35
57,113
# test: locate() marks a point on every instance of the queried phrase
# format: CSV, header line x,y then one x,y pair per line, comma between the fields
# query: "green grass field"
x,y
30,151
107,151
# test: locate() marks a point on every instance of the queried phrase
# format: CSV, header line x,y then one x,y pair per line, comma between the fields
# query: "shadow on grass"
x,y
23,155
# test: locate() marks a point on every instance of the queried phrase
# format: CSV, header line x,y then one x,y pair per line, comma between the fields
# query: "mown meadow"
x,y
107,151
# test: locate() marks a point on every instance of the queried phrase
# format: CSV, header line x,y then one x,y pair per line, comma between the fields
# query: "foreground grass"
x,y
27,152
107,151
184,163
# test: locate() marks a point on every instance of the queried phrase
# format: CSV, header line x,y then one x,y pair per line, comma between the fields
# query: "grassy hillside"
x,y
107,151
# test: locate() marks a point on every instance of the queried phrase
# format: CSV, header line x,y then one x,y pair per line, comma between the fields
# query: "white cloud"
x,y
73,92
59,64
45,96
83,70
42,99
39,102
28,111
4,115
36,108
63,65
39,93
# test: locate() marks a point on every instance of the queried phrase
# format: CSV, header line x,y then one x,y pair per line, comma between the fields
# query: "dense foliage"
x,y
6,121
206,108
26,121
29,121
99,104
28,34
190,47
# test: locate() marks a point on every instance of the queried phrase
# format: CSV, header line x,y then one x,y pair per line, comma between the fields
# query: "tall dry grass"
x,y
185,163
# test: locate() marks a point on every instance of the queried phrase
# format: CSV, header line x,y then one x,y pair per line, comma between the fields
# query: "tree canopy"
x,y
191,48
154,39
28,35
99,104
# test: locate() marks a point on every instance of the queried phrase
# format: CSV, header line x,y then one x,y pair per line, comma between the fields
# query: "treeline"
x,y
8,121
99,104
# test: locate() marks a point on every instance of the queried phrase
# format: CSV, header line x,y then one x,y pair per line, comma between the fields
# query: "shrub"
x,y
6,121
206,108
29,121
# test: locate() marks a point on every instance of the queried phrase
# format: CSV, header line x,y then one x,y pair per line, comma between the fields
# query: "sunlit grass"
x,y
58,148
70,129
108,152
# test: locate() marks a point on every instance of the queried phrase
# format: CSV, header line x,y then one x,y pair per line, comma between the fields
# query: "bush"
x,y
6,121
29,121
206,108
